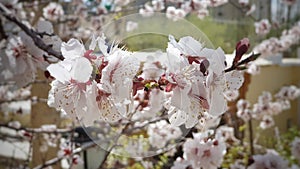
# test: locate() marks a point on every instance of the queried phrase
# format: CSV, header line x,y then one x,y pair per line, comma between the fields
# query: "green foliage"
x,y
283,146
224,35
234,153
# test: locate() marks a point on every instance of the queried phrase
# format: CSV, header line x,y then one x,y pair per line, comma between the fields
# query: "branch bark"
x,y
33,34
37,130
58,159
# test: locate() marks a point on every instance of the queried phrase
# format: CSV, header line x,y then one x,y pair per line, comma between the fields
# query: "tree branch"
x,y
58,159
245,61
38,130
2,33
33,34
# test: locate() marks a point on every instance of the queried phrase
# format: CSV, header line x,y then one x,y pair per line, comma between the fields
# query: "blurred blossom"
x,y
147,11
274,45
266,122
227,134
180,163
158,5
262,27
202,13
216,3
131,26
77,160
288,92
244,2
253,69
53,11
269,160
161,133
203,152
207,122
231,95
15,124
251,10
295,148
175,13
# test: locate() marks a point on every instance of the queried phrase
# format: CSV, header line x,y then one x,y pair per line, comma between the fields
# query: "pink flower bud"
x,y
241,48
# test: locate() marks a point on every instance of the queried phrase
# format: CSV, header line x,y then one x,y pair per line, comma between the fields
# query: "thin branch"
x,y
245,61
58,159
33,99
38,130
2,32
30,32
11,83
130,130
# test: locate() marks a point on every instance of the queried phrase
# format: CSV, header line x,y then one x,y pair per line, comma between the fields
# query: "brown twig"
x,y
38,130
243,62
33,34
2,32
251,137
58,159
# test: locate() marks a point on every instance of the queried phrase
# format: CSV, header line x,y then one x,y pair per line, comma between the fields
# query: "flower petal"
x,y
81,70
72,49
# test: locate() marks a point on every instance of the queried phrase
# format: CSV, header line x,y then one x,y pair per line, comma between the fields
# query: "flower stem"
x,y
251,137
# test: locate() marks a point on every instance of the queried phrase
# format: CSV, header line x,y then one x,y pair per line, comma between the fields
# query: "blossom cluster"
x,y
275,45
202,151
109,85
266,108
22,58
178,9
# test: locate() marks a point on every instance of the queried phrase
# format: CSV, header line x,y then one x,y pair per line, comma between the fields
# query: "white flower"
x,y
251,10
269,160
295,148
53,11
161,132
226,133
152,69
197,80
231,95
288,92
215,3
218,82
117,81
15,124
131,26
147,11
202,13
158,5
207,121
266,122
65,149
204,153
253,69
77,160
262,27
244,2
244,111
175,14
21,67
180,163
72,76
